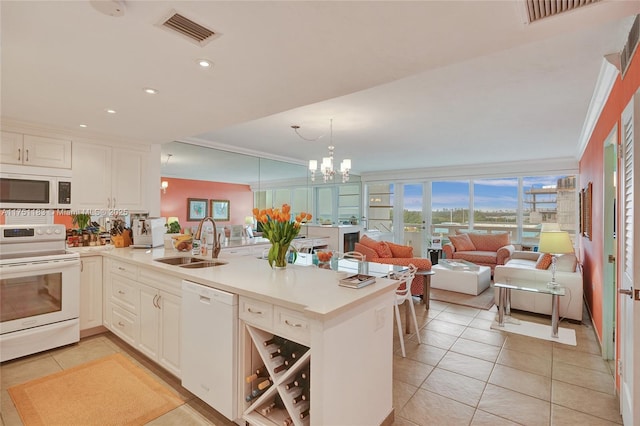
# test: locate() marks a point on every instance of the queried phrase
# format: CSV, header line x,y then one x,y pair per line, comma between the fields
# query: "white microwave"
x,y
18,191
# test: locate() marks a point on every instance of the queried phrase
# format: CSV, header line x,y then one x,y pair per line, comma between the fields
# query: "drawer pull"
x,y
251,311
120,324
120,268
290,324
121,292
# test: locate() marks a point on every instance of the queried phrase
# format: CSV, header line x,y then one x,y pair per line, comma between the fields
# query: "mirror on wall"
x,y
190,161
273,182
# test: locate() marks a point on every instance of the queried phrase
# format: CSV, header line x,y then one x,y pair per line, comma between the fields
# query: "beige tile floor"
x,y
463,373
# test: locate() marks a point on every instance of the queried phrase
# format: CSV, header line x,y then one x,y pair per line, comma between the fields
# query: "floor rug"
x,y
482,301
566,336
110,390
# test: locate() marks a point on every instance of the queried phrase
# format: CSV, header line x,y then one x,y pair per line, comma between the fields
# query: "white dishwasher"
x,y
209,346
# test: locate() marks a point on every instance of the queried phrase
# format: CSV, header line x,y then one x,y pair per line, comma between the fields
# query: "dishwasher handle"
x,y
208,294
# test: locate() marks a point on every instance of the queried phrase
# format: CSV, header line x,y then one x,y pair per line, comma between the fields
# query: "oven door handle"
x,y
37,266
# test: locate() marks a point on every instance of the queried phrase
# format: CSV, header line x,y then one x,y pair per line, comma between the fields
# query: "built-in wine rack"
x,y
277,380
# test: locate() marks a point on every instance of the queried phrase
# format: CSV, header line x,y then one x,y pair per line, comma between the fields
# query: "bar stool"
x,y
403,294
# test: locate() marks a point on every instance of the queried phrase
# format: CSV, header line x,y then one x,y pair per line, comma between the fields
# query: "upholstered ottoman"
x,y
463,281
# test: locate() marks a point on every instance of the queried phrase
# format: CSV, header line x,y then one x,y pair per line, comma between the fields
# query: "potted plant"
x,y
173,233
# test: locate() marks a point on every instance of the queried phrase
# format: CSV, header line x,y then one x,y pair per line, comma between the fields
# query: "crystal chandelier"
x,y
326,167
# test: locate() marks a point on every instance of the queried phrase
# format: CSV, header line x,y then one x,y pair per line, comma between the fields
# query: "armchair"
x,y
394,254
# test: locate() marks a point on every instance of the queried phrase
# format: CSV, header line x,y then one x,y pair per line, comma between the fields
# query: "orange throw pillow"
x,y
544,261
380,247
383,250
462,242
399,251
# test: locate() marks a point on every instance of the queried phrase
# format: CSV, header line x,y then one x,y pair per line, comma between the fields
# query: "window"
x,y
348,203
495,206
548,199
380,211
449,206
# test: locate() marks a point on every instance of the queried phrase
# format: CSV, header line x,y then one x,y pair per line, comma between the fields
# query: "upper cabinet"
x,y
105,177
29,150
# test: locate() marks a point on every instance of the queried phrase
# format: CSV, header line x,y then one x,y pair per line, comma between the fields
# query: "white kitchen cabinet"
x,y
159,337
90,292
143,308
330,352
30,150
105,177
159,316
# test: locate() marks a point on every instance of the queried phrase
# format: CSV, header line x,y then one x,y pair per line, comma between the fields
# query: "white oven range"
x,y
39,290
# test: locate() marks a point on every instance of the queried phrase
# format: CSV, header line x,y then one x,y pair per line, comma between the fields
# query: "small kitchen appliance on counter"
x,y
149,232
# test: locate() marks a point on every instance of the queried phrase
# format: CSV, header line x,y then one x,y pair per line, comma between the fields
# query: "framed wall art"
x,y
585,211
196,209
220,210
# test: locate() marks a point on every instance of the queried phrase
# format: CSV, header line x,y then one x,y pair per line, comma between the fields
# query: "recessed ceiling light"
x,y
110,111
150,91
83,125
205,63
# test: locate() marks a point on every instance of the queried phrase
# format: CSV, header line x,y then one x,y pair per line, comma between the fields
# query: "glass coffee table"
x,y
504,300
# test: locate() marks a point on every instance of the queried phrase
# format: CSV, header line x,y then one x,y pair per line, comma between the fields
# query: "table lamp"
x,y
554,243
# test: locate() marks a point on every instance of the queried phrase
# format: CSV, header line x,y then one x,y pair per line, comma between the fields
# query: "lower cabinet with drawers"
x,y
142,307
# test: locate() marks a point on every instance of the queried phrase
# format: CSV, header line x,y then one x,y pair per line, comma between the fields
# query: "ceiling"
x,y
415,84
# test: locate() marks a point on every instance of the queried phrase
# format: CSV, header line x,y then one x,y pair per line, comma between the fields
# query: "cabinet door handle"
x,y
26,155
81,265
19,154
251,311
291,324
108,202
114,202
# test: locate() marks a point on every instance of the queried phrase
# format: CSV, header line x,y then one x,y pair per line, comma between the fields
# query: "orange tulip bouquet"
x,y
278,228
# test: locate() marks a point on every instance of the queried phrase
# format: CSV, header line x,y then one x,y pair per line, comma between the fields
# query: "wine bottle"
x,y
274,354
289,362
304,414
290,385
254,394
300,397
272,341
267,408
302,379
287,422
265,384
279,368
260,372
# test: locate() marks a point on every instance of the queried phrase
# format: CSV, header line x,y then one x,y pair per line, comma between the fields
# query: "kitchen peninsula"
x,y
346,334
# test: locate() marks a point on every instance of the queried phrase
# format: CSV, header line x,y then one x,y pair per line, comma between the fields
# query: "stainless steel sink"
x,y
190,262
204,264
179,260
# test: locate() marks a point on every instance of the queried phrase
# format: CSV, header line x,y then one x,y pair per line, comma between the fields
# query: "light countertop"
x,y
307,289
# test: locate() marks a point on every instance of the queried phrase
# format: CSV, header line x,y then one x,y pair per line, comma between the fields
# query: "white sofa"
x,y
522,268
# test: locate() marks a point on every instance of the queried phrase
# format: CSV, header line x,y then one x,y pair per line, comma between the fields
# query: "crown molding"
x,y
606,79
238,150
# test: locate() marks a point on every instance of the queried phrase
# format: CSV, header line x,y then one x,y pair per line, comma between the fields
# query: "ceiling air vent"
x,y
187,28
539,9
632,44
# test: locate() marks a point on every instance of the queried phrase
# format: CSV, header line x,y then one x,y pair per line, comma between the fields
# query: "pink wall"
x,y
174,202
591,170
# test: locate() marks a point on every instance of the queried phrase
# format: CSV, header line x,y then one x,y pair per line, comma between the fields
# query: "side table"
x,y
426,286
504,298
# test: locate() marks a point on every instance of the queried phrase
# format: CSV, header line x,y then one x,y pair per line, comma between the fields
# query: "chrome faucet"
x,y
216,240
